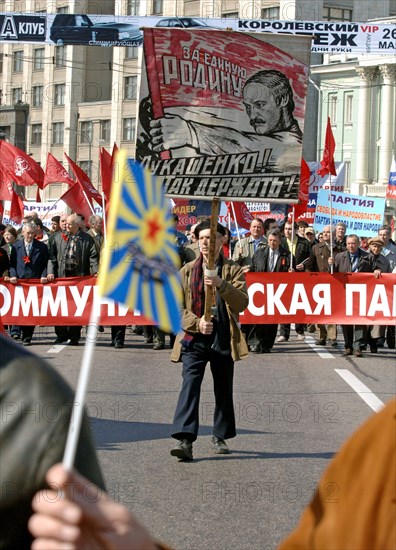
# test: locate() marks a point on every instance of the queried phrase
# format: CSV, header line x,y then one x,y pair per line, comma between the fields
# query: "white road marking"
x,y
320,350
361,389
57,348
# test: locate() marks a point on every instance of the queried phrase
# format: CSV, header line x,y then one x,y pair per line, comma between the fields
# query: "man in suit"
x,y
318,261
28,260
350,261
273,258
96,231
73,254
300,250
244,250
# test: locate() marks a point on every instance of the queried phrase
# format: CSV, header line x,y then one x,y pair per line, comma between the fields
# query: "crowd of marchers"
x,y
72,245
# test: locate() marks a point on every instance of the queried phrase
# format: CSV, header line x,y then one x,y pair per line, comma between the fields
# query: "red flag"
x,y
303,191
6,189
106,172
17,208
55,172
85,183
19,166
327,162
77,202
242,216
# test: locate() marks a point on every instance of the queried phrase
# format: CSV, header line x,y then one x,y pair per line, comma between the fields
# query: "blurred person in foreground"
x,y
354,506
36,405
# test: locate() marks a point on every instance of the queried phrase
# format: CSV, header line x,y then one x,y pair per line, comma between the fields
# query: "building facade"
x,y
74,99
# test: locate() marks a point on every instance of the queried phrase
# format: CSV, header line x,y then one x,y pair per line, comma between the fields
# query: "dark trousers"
x,y
27,331
186,420
68,333
285,330
266,335
354,336
118,334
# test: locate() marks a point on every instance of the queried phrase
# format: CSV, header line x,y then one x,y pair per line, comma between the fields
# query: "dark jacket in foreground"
x,y
88,257
36,405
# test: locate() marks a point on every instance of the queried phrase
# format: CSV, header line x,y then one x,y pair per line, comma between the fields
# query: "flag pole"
x,y
86,198
236,224
81,391
229,230
292,237
104,217
209,290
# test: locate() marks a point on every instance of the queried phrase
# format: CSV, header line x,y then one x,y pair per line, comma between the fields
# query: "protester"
x,y
318,261
55,224
340,237
273,258
73,254
300,250
301,227
4,261
310,236
41,233
345,518
387,333
96,231
28,260
218,341
36,406
246,247
350,261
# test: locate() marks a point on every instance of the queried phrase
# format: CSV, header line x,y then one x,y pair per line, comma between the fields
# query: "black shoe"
x,y
26,342
265,350
16,336
348,351
118,345
100,328
60,341
219,446
320,342
149,340
159,345
373,350
183,450
74,343
391,343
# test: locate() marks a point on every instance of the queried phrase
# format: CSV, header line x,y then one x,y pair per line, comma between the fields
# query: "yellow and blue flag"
x,y
140,261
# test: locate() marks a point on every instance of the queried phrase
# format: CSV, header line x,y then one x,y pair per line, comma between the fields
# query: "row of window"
x,y
59,93
348,108
86,132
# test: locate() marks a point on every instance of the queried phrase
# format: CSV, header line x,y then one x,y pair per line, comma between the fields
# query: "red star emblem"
x,y
154,227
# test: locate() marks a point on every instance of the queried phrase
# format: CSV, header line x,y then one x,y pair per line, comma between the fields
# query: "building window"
x,y
133,7
347,182
17,95
131,52
17,61
36,134
130,87
58,133
60,93
158,7
86,165
86,132
270,13
333,108
128,129
62,9
337,14
38,59
105,128
60,56
230,15
37,96
1,63
348,116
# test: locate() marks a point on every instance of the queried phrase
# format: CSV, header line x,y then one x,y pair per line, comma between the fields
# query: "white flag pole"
x,y
236,223
292,238
331,225
81,391
104,217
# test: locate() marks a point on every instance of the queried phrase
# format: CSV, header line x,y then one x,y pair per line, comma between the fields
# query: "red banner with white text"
x,y
343,298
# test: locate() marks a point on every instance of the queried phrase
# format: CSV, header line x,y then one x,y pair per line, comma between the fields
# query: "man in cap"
x,y
218,341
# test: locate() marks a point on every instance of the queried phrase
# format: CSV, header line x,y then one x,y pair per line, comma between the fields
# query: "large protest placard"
x,y
347,298
125,30
363,216
222,114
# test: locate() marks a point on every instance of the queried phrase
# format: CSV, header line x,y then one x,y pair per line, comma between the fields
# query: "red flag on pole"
x,y
77,201
84,181
243,216
19,166
327,162
303,191
17,208
55,172
105,172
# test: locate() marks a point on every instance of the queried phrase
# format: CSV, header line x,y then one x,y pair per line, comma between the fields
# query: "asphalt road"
x,y
294,408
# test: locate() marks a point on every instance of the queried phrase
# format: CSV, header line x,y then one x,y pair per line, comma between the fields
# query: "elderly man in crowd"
x,y
73,254
28,260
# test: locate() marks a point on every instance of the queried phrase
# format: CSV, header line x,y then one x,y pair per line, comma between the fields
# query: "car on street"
x,y
183,23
